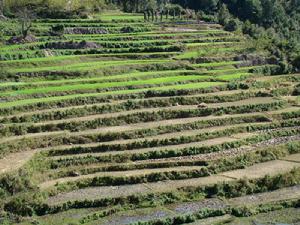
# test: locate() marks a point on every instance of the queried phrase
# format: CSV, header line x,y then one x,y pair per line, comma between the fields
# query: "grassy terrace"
x,y
213,73
88,66
171,122
119,92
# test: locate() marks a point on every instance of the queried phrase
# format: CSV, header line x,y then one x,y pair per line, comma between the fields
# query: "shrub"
x,y
15,183
57,30
232,25
25,204
127,29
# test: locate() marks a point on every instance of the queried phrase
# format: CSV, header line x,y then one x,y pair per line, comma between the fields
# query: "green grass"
x,y
87,65
112,15
150,34
76,87
6,84
230,77
218,73
213,51
199,85
216,64
231,70
60,58
210,40
215,44
140,75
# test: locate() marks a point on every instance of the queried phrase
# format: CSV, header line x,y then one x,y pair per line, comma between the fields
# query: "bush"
x,y
24,205
296,63
296,91
57,30
20,206
15,183
127,29
242,211
232,25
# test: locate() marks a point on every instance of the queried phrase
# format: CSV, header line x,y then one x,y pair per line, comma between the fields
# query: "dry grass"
x,y
262,169
267,197
292,158
15,161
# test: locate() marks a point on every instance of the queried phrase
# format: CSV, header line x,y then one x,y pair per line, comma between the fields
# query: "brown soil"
x,y
15,161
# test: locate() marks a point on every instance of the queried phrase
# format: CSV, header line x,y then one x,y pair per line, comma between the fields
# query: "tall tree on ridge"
x,y
2,10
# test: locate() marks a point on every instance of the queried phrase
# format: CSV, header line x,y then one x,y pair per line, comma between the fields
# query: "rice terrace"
x,y
149,112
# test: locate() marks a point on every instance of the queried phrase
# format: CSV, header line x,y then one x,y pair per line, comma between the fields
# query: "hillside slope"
x,y
121,121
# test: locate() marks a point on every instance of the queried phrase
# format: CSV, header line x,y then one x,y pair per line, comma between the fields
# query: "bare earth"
x,y
15,161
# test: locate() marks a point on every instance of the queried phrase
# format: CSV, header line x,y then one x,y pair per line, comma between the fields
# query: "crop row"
x,y
227,189
52,140
73,126
82,99
131,104
138,144
169,153
50,91
150,36
238,211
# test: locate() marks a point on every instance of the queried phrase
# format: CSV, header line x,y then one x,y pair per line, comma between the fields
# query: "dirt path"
x,y
14,161
272,168
178,29
292,158
212,220
34,135
267,197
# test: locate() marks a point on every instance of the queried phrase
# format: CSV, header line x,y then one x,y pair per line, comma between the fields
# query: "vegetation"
x,y
148,112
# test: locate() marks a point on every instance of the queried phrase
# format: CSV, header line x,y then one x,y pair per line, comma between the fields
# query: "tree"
x,y
162,7
252,10
223,15
203,5
25,17
57,30
2,10
149,9
232,25
152,7
296,63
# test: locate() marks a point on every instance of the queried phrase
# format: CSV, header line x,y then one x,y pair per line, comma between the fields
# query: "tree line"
x,y
273,23
153,10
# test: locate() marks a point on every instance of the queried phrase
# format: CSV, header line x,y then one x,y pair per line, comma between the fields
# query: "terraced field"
x,y
171,123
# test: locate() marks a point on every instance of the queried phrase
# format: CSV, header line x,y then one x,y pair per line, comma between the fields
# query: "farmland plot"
x,y
169,122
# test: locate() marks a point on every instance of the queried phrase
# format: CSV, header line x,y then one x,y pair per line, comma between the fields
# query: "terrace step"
x,y
132,127
130,173
257,171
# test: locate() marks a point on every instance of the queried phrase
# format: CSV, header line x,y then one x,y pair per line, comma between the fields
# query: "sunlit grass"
x,y
118,92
